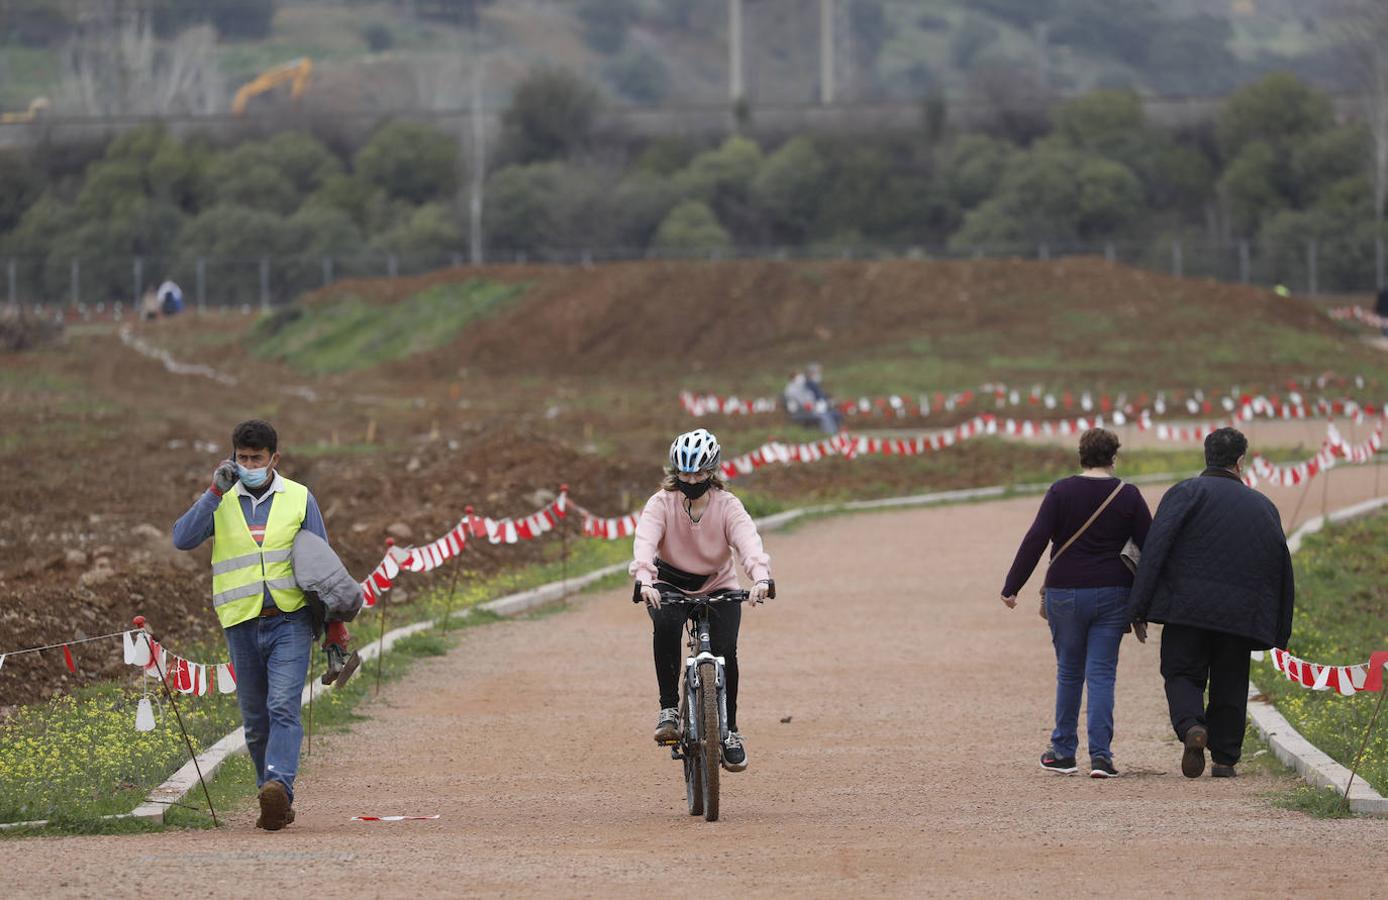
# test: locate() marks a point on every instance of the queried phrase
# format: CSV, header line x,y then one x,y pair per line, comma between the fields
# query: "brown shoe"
x,y
1193,760
275,812
1218,771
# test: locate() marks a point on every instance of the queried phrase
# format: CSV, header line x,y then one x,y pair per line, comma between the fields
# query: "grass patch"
x,y
1341,617
77,758
349,333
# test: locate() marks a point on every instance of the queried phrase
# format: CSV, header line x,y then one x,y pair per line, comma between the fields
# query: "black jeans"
x,y
1192,658
723,622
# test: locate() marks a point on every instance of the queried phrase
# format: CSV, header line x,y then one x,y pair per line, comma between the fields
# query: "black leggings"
x,y
723,622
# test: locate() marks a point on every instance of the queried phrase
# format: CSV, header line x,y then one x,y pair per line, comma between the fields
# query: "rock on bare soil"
x,y
918,707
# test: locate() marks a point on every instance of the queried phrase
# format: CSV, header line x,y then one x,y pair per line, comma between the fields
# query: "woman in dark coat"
x,y
1086,594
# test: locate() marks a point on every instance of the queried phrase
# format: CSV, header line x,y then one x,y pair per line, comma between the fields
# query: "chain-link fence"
x,y
102,283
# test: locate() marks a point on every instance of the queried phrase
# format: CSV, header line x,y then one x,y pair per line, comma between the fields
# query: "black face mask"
x,y
694,491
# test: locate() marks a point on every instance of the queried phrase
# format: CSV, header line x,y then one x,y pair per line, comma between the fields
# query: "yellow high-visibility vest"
x,y
243,569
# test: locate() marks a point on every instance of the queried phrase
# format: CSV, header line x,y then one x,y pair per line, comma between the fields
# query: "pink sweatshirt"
x,y
665,530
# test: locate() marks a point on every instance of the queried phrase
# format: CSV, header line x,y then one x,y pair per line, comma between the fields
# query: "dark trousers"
x,y
723,622
1191,660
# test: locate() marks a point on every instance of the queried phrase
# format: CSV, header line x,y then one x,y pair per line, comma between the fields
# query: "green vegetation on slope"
x,y
351,333
1341,617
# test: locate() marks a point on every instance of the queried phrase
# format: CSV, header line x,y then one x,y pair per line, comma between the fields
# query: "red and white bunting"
x,y
183,675
1359,314
427,557
1344,680
1189,402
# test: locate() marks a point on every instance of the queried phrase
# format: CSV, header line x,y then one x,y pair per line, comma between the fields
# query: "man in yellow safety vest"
x,y
252,514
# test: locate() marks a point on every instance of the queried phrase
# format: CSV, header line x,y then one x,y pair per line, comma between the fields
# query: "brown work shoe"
x,y
1193,760
275,812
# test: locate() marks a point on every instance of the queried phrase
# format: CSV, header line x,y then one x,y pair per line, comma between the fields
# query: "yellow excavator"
x,y
296,71
38,107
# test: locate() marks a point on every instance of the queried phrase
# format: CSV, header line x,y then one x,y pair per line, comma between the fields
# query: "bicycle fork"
x,y
693,682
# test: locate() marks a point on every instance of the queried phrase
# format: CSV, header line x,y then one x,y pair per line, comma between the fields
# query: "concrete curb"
x,y
1288,745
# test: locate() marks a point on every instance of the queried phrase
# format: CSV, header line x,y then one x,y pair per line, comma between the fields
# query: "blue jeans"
x,y
1087,625
271,655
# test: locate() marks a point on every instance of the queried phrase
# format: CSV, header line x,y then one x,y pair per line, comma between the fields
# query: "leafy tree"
x,y
256,186
974,166
1108,123
1055,193
1329,158
639,203
411,161
786,188
352,195
1192,57
1279,110
552,114
303,159
19,187
543,206
431,232
969,40
722,178
1255,185
692,228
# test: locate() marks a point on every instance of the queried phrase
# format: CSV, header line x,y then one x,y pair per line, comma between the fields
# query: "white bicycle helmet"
x,y
694,451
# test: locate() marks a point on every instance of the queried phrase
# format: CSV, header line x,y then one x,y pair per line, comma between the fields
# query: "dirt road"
x,y
917,709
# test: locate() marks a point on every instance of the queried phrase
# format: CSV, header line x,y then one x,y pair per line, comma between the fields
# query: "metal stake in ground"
x,y
1378,707
139,622
309,751
381,641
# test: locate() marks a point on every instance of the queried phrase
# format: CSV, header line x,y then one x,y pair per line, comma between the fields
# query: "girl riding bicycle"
x,y
685,541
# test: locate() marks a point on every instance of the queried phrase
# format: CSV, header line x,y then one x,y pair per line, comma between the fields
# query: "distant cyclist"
x,y
685,540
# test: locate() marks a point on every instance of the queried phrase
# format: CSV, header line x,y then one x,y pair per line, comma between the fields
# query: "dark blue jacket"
x,y
1216,558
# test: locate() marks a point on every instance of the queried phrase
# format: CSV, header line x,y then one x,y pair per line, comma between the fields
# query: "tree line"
x,y
1274,167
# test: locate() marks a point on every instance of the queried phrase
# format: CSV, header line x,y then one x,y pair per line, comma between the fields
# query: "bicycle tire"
x,y
693,784
711,738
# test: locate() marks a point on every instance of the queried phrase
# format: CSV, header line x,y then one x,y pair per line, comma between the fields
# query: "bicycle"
x,y
703,700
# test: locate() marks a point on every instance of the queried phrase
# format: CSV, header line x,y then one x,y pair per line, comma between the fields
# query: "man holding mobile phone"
x,y
252,513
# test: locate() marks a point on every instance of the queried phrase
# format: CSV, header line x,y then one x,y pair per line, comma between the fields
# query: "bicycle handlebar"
x,y
721,597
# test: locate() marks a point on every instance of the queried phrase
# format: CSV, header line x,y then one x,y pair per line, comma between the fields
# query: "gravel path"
x,y
917,708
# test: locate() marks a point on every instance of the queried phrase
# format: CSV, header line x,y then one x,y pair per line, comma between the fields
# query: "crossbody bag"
x,y
1132,564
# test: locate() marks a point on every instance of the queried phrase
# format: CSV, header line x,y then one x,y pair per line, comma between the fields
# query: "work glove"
x,y
759,592
651,596
224,476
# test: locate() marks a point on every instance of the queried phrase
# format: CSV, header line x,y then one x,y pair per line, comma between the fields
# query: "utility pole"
x,y
826,52
736,87
479,146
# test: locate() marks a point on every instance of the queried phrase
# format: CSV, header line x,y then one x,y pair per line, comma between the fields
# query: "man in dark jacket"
x,y
1381,308
1216,572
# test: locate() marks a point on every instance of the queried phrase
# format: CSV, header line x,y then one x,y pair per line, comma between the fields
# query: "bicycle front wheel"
x,y
711,738
693,766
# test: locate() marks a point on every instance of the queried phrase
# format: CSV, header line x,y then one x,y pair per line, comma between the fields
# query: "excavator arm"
x,y
296,71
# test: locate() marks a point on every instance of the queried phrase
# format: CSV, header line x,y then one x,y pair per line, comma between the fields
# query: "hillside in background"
x,y
385,55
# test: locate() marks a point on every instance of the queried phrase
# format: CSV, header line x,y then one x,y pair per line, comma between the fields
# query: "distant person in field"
x,y
170,299
685,541
807,403
1088,520
1381,308
1217,573
253,514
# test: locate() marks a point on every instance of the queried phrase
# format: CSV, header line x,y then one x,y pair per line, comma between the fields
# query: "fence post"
x,y
1178,263
1043,252
1312,278
327,271
265,283
202,285
456,259
392,266
139,272
1245,264
76,277
1378,264
10,270
1110,254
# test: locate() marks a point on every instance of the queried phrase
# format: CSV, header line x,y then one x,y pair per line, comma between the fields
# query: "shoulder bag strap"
x,y
1085,527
